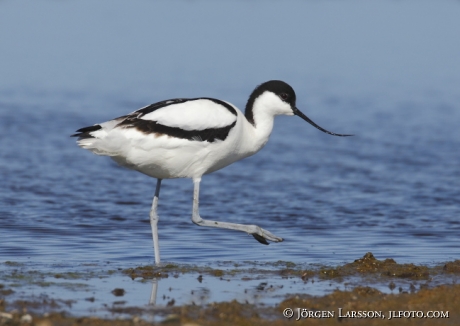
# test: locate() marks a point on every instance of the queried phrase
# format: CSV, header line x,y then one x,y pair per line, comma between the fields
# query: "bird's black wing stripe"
x,y
84,132
225,104
133,121
152,127
155,106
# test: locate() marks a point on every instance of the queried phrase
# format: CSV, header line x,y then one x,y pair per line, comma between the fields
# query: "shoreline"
x,y
367,290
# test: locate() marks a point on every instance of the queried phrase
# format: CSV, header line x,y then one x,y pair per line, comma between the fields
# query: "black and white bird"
x,y
191,137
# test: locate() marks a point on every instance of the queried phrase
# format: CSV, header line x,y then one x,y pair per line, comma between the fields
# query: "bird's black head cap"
x,y
283,90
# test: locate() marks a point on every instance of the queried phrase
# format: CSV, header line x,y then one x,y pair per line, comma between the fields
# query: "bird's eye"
x,y
284,96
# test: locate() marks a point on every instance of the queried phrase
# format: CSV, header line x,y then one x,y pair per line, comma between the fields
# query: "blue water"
x,y
385,71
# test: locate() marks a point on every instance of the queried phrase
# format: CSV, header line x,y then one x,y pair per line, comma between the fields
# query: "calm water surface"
x,y
393,189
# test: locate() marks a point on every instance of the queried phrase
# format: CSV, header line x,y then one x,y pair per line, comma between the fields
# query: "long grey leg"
x,y
257,232
154,222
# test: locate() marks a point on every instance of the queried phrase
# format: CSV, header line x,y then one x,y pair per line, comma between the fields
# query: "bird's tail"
x,y
87,136
100,138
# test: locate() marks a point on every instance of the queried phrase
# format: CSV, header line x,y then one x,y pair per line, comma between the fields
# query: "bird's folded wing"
x,y
190,114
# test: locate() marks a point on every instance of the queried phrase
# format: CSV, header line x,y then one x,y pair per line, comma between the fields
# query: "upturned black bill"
x,y
303,116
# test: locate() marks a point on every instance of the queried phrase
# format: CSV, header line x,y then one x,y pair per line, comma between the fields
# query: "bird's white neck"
x,y
262,128
261,119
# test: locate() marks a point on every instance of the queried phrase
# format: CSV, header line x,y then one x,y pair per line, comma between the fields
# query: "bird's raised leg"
x,y
257,232
154,222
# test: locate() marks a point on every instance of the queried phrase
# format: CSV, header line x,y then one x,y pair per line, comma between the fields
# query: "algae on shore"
x,y
371,285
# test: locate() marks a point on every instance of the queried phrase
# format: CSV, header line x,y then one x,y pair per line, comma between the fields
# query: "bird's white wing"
x,y
198,120
192,114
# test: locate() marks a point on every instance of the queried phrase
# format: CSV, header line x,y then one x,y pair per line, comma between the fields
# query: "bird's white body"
x,y
187,138
164,157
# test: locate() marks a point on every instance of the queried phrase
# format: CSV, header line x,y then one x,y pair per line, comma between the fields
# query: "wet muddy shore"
x,y
366,291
